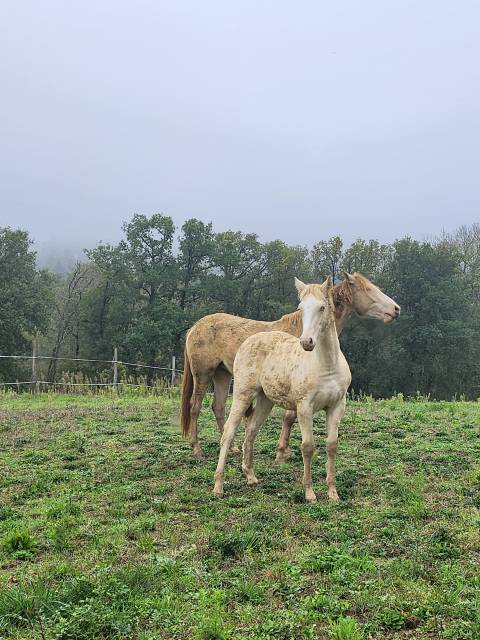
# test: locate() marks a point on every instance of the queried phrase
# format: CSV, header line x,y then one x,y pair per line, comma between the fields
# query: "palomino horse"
x,y
214,340
307,375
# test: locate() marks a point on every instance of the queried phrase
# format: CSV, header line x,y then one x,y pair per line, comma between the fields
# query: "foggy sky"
x,y
294,120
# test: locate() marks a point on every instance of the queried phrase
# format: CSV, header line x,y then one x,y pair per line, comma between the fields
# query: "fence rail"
x,y
35,383
132,364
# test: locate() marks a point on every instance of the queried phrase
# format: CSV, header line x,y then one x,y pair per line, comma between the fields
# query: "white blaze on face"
x,y
313,312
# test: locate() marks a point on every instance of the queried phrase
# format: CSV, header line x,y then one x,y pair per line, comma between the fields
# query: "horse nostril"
x,y
307,343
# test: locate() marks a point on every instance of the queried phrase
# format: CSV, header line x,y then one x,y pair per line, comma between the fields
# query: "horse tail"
x,y
187,390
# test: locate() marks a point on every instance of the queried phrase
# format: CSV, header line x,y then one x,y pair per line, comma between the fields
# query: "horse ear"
x,y
328,284
348,277
300,286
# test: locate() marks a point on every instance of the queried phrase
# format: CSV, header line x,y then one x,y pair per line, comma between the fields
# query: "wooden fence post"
x,y
34,365
115,369
173,371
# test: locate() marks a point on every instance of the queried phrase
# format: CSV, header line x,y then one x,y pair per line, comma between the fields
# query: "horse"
x,y
306,374
214,340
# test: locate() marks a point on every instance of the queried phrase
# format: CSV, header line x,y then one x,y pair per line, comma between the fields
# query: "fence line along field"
x,y
108,528
68,380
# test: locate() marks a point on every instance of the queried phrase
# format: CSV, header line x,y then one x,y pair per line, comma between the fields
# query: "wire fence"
x,y
75,380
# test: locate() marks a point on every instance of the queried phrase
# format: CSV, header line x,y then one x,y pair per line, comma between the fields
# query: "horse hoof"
x,y
218,492
252,482
333,495
199,455
310,497
234,451
283,456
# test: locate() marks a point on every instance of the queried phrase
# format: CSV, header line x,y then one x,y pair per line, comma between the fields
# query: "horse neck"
x,y
327,347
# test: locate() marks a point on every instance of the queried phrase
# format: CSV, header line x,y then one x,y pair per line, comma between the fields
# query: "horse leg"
x,y
261,412
333,416
239,406
221,386
200,385
305,420
283,450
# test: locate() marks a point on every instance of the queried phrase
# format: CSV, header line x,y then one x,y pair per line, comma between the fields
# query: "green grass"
x,y
108,528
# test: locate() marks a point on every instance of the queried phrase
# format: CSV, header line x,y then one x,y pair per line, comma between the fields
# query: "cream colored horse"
x,y
307,375
214,340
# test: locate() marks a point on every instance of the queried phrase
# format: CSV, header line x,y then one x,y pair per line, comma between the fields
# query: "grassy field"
x,y
108,528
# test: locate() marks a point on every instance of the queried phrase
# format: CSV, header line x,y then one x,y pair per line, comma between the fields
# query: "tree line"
x,y
142,294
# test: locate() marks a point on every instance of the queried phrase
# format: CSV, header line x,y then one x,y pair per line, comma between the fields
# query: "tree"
x,y
107,306
466,242
369,258
326,258
67,312
195,260
142,296
148,249
239,261
421,351
25,296
275,293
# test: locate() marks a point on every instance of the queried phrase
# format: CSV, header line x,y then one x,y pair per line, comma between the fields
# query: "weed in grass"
x,y
333,559
60,533
20,544
409,492
211,627
326,604
140,526
285,625
391,619
59,508
443,545
249,591
345,629
22,606
235,544
347,480
6,513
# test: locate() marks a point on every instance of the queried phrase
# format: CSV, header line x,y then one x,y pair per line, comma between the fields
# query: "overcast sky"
x,y
294,120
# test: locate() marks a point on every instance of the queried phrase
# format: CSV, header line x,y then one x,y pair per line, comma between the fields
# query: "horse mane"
x,y
343,292
292,323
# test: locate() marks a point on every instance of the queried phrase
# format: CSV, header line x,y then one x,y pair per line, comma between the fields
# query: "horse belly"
x,y
277,386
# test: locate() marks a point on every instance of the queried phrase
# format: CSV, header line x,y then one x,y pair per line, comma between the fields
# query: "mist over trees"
x,y
142,294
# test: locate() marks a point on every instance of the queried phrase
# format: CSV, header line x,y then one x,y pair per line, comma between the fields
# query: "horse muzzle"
x,y
307,344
